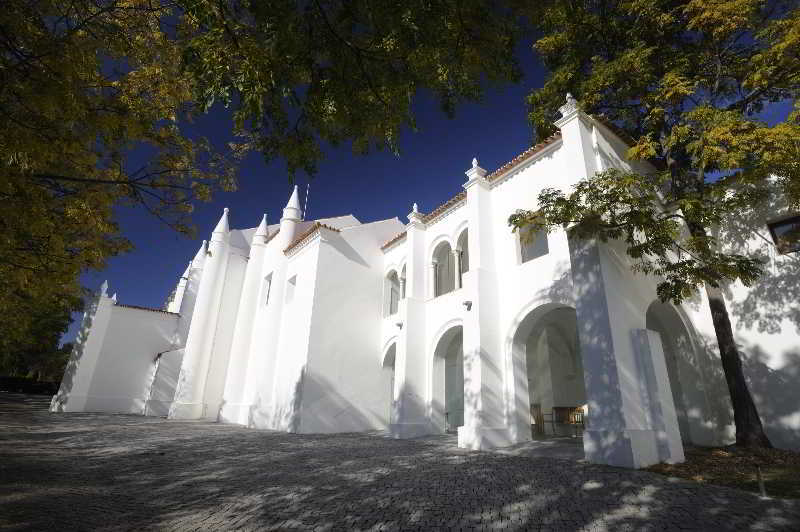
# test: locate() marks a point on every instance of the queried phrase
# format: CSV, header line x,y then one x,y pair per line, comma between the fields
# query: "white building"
x,y
448,322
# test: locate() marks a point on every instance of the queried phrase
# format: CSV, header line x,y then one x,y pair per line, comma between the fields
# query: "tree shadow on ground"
x,y
125,472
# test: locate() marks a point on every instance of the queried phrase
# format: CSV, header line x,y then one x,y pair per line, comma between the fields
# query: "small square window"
x,y
786,234
532,244
290,287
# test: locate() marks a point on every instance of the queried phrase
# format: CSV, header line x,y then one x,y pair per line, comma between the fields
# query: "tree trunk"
x,y
749,431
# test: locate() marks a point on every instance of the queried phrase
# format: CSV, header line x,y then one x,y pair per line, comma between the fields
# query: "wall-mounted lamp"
x,y
467,304
399,324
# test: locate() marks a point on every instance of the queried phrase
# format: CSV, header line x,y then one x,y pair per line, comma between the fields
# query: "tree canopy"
x,y
686,80
299,74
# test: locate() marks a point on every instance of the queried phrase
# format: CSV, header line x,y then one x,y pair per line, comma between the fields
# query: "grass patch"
x,y
736,467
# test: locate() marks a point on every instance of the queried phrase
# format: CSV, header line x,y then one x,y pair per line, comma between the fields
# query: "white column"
x,y
411,370
432,283
189,394
233,409
484,421
457,273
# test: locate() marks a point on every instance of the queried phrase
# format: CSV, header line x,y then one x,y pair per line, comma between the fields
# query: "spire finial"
x,y
222,225
260,235
104,288
292,210
414,208
474,162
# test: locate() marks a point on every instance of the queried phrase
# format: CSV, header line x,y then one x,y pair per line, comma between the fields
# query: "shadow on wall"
x,y
282,415
697,380
770,306
70,371
323,409
777,395
774,297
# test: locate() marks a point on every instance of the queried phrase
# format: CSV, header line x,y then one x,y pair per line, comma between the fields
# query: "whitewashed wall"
x,y
343,385
124,370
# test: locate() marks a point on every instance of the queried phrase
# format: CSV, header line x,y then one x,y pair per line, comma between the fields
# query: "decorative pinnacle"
x,y
222,225
261,231
414,208
569,107
474,162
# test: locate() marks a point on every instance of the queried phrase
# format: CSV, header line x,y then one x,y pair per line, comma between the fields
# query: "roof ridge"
x,y
394,239
316,226
519,159
149,309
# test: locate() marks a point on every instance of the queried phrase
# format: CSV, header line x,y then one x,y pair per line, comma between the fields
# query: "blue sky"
x,y
429,170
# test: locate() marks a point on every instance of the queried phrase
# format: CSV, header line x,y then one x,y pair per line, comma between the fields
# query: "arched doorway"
x,y
547,340
447,398
678,356
387,378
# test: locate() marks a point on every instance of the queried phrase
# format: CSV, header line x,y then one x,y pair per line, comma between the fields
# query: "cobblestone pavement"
x,y
91,471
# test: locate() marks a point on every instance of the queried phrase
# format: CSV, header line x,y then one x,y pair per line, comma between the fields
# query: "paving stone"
x,y
123,472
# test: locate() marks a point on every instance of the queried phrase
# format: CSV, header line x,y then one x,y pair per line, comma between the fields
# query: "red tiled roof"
x,y
524,156
519,159
137,307
394,239
445,206
313,229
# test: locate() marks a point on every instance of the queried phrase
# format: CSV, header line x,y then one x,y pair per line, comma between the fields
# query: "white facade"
x,y
448,322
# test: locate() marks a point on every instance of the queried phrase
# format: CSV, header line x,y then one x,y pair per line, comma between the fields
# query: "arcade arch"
x,y
387,384
545,347
443,266
679,357
447,386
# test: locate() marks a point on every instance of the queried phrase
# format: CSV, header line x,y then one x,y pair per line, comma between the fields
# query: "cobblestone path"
x,y
113,472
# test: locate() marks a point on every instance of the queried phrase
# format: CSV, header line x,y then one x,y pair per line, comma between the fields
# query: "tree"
x,y
300,74
82,83
37,355
686,80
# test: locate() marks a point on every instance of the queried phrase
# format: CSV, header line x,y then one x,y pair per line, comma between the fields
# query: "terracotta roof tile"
x,y
445,206
524,156
396,238
137,307
624,137
313,229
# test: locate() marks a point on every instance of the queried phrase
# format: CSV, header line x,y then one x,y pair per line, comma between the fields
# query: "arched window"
x,y
403,283
392,293
462,244
443,269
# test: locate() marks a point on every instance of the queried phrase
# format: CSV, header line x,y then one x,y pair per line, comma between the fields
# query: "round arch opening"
x,y
444,269
678,352
447,387
547,356
388,383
